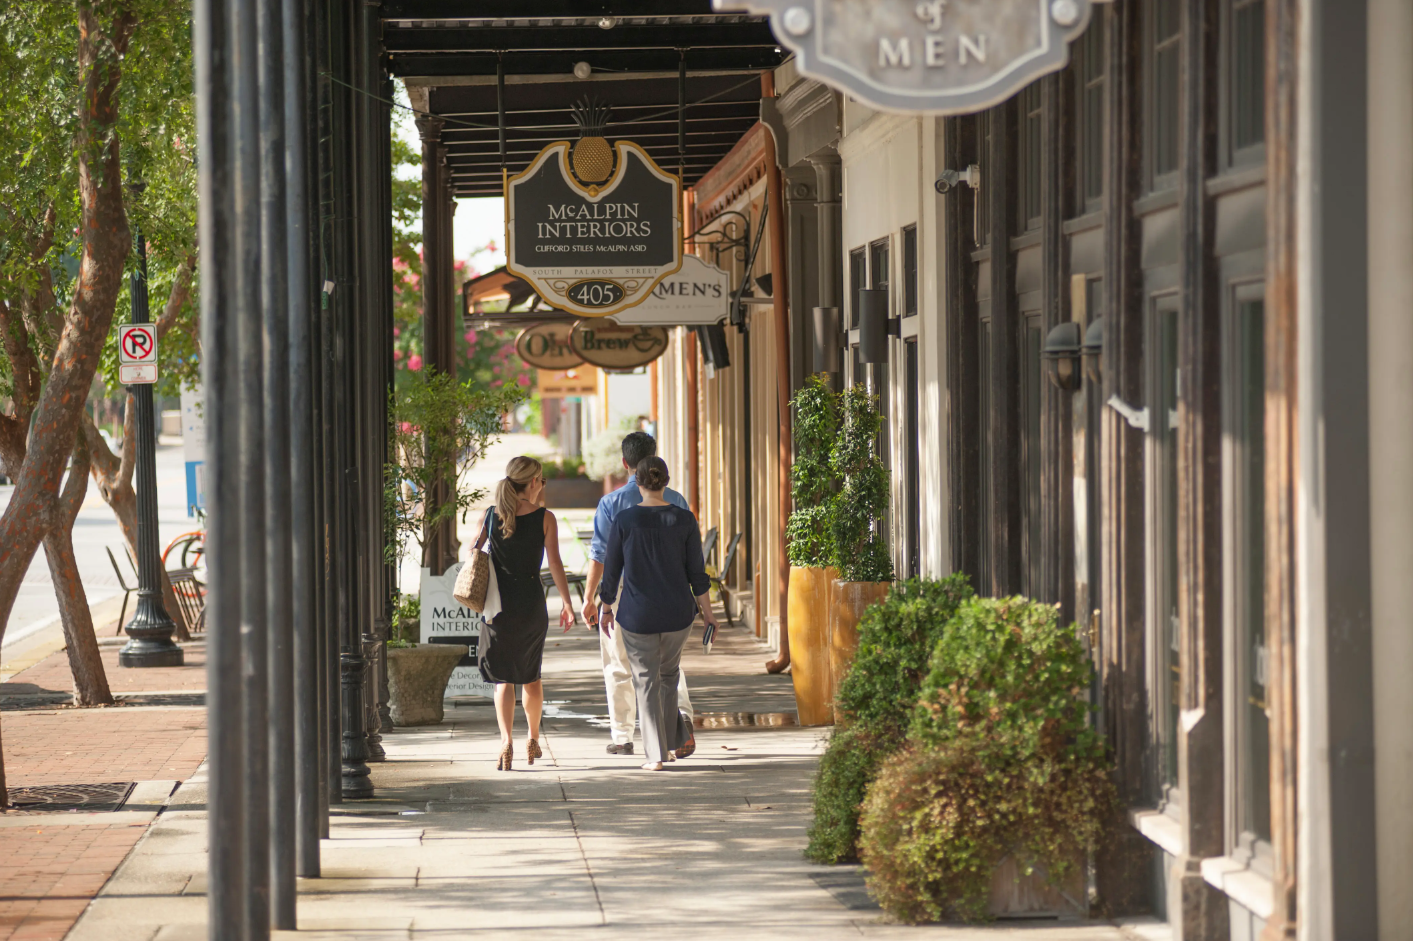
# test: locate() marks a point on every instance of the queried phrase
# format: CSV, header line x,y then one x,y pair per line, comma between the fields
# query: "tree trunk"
x,y
90,682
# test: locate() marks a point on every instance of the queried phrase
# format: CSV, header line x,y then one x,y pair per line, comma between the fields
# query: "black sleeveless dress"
x,y
513,644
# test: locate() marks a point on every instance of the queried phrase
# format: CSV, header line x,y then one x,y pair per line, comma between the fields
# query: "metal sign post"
x,y
150,630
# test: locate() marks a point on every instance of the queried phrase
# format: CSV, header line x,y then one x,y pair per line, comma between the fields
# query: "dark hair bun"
x,y
652,473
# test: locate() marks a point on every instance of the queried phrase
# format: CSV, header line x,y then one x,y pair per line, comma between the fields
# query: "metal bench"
x,y
718,579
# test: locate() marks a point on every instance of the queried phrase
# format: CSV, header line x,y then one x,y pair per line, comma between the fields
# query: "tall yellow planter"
x,y
808,624
847,603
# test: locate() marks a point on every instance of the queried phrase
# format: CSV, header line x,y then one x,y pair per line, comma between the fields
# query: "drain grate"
x,y
86,797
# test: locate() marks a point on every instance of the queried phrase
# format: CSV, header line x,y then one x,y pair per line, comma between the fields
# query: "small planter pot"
x,y
847,603
809,643
417,678
572,493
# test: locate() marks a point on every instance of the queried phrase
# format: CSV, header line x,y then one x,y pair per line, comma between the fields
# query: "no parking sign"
x,y
137,353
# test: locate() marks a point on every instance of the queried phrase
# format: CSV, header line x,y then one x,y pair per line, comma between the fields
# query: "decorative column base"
x,y
150,636
354,773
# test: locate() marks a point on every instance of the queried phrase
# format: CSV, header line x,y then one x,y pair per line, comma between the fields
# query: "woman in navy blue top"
x,y
655,550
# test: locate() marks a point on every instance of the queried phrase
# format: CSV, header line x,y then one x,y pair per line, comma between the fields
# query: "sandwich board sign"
x,y
446,621
925,56
137,353
592,249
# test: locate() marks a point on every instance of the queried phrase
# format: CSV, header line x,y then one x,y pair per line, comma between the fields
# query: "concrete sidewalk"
x,y
451,848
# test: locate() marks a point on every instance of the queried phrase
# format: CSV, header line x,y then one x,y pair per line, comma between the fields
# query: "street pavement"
x,y
581,840
34,618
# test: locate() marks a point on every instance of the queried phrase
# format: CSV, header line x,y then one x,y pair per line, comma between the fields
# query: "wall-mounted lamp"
x,y
826,339
715,353
875,326
1093,351
1061,356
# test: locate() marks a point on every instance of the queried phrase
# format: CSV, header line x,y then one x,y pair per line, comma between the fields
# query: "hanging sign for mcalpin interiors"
x,y
925,56
587,248
617,347
547,346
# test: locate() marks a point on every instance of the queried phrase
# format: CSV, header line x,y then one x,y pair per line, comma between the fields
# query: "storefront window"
x,y
1089,113
1254,744
1164,28
914,482
857,275
909,271
983,374
1246,92
1029,158
1163,429
1032,334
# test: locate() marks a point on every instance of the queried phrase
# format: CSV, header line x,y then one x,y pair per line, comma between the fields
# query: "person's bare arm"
x,y
591,591
556,567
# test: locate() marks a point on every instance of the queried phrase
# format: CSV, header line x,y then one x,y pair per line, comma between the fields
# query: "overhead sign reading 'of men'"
x,y
925,56
591,249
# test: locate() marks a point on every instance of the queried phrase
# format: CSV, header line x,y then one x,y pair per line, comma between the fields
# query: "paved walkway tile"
x,y
580,841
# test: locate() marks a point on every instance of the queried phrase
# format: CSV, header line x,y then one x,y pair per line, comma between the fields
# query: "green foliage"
x,y
438,427
874,704
1000,760
406,623
861,549
39,167
568,467
813,483
846,768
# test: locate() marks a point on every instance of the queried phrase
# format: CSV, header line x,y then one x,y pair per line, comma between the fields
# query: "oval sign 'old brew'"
x,y
925,56
612,346
593,249
547,346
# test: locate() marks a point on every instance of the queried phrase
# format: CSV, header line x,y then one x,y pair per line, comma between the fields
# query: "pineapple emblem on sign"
x,y
593,226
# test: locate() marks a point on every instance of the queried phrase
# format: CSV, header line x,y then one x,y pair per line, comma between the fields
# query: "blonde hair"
x,y
518,475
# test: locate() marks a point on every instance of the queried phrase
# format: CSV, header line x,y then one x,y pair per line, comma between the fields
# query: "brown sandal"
x,y
532,751
503,764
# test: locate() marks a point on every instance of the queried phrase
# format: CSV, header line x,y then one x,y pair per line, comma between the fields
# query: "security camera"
x,y
971,176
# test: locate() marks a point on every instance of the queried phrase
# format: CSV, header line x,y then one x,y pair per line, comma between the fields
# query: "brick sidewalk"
x,y
49,871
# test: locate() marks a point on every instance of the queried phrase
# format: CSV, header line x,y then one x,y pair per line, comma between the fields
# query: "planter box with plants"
x,y
969,781
860,550
811,551
417,673
568,487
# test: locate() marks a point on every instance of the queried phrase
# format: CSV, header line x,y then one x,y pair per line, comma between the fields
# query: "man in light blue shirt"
x,y
617,679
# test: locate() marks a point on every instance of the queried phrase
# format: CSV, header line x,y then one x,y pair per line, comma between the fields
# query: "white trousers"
x,y
618,684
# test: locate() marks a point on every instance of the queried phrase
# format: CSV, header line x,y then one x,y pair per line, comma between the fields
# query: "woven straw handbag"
x,y
475,576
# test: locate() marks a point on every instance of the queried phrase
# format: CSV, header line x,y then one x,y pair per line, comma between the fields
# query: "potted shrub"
x,y
568,487
417,673
861,551
809,544
1003,786
873,707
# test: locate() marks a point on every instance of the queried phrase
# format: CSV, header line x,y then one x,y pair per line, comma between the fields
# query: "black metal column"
x,y
214,41
274,302
150,630
305,612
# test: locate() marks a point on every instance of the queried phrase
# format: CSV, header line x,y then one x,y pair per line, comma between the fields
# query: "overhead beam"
x,y
535,9
669,37
750,59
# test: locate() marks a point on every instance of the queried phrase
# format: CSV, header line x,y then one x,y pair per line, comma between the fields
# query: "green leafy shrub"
x,y
1000,760
874,705
813,483
566,467
407,622
861,551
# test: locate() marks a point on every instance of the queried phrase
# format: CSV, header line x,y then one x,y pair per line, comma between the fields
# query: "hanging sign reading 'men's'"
x,y
592,249
928,56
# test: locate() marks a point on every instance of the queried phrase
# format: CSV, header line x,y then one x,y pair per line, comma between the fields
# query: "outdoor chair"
x,y
718,580
122,583
191,597
709,545
575,579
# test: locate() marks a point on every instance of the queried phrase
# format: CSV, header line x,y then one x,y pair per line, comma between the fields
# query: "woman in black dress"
x,y
522,533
